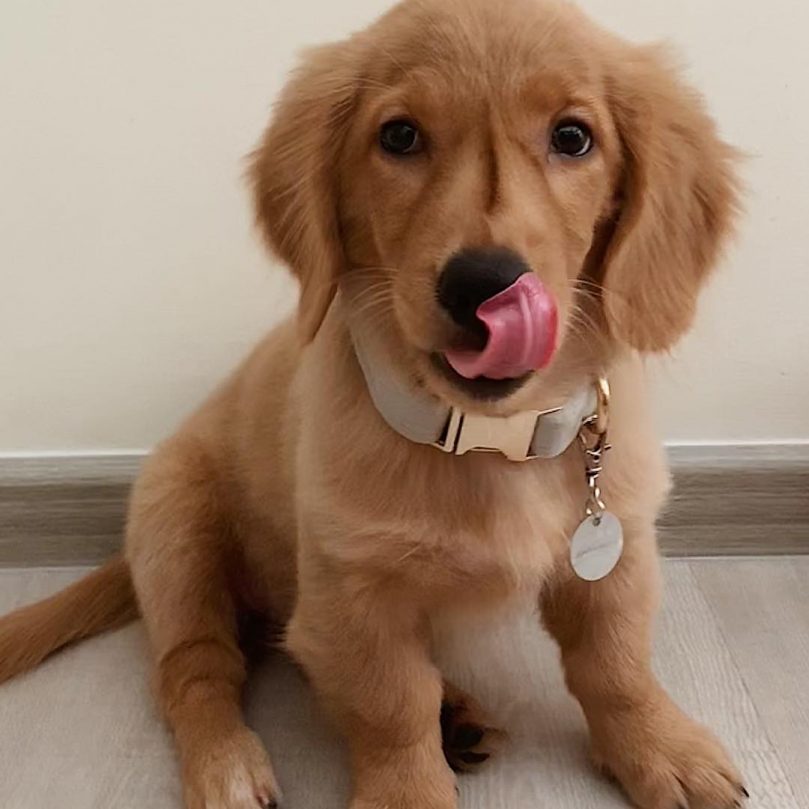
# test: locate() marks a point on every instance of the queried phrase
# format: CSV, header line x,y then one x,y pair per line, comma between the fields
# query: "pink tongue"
x,y
522,322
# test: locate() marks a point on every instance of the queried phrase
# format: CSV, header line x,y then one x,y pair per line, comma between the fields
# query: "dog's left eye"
x,y
572,138
400,137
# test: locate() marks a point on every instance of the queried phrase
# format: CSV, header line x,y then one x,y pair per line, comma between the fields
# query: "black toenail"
x,y
467,736
473,758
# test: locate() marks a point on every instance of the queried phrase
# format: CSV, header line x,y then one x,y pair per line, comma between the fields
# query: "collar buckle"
x,y
510,435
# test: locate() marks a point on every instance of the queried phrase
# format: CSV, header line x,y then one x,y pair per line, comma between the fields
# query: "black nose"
x,y
473,276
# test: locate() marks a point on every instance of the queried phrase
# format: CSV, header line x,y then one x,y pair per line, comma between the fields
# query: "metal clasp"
x,y
510,435
593,467
593,437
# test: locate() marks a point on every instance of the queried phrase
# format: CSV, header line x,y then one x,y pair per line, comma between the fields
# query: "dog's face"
x,y
497,187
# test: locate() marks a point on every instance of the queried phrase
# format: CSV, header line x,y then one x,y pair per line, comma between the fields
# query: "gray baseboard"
x,y
727,501
63,510
748,500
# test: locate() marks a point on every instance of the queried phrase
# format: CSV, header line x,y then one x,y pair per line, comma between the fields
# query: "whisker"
x,y
586,285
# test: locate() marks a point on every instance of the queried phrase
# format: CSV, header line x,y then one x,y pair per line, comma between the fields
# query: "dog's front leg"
x,y
365,652
662,758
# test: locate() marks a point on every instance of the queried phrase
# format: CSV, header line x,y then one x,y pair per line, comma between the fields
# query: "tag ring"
x,y
602,419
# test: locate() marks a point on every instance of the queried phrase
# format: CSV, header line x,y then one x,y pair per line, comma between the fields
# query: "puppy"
x,y
490,207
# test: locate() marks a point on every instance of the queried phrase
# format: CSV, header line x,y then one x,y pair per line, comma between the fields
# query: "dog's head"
x,y
498,186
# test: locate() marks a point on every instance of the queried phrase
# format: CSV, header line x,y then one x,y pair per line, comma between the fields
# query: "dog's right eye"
x,y
400,137
572,138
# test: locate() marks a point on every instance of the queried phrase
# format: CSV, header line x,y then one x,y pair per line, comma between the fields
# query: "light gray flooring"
x,y
733,646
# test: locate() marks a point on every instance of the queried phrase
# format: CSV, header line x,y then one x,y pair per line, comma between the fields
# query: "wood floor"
x,y
733,646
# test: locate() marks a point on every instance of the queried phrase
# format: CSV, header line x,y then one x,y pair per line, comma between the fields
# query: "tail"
x,y
103,600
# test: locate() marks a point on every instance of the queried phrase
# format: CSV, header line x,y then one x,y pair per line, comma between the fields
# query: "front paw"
x,y
230,773
407,800
399,802
409,778
664,760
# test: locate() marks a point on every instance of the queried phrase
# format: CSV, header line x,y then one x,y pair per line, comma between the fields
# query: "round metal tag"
x,y
597,546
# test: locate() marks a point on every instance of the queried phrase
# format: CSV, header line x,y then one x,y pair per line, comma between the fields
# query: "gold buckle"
x,y
510,435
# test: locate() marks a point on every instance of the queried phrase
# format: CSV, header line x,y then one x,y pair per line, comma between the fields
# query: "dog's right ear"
x,y
293,175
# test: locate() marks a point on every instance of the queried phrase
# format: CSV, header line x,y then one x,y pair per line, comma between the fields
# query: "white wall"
x,y
131,279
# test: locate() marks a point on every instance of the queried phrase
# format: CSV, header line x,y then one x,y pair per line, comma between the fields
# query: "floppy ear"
x,y
677,205
293,174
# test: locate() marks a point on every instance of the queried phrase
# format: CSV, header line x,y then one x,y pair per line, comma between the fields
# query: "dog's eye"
x,y
572,138
400,137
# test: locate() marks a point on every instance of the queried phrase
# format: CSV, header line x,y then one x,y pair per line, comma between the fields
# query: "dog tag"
x,y
597,546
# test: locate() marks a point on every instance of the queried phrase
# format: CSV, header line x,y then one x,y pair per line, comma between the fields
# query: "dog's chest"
x,y
489,530
527,525
443,523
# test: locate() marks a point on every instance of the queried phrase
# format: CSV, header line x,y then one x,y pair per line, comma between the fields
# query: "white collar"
x,y
424,419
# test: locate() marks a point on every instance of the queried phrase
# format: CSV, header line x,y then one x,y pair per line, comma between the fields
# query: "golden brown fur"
x,y
287,494
103,600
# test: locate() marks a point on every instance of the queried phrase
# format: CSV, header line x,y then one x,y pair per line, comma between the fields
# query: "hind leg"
x,y
178,562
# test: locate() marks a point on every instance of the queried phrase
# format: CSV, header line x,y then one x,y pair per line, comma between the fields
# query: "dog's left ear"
x,y
293,174
677,204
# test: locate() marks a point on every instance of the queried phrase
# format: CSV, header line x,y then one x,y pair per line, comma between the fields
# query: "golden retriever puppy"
x,y
492,207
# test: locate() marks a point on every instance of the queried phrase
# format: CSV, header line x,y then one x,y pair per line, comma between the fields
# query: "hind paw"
x,y
469,740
